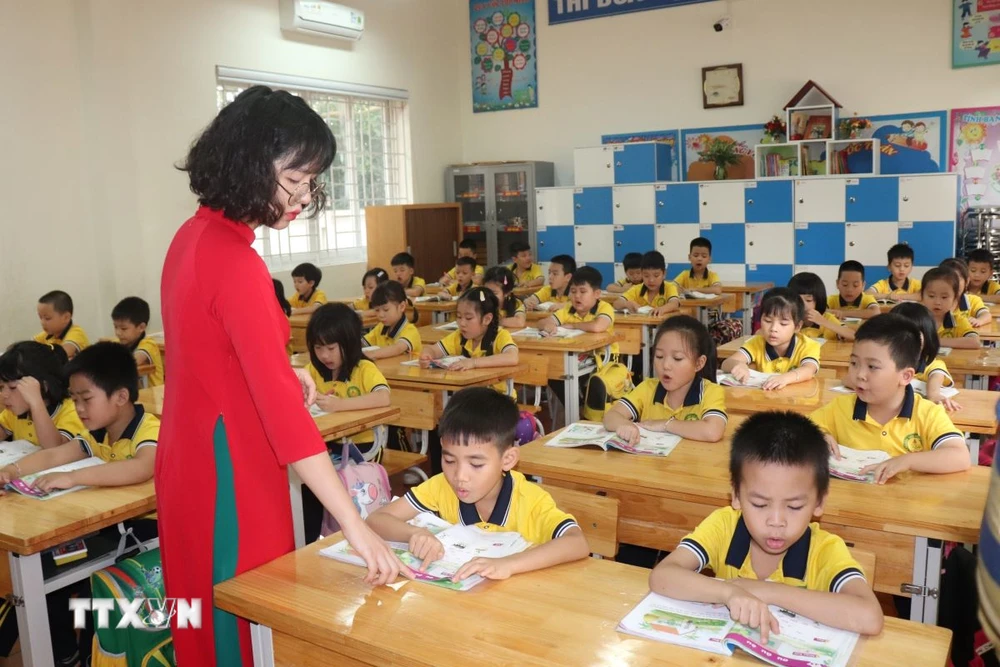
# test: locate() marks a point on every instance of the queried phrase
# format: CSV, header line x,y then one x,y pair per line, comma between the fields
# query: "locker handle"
x,y
802,201
905,198
851,243
801,243
578,207
619,244
539,243
659,203
661,243
751,243
618,164
580,243
608,166
540,207
618,205
852,200
704,203
749,202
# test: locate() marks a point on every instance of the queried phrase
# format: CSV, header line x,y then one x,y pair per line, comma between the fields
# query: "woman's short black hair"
x,y
335,323
231,165
41,361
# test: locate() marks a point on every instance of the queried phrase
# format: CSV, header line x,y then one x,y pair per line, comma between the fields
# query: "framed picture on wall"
x,y
722,86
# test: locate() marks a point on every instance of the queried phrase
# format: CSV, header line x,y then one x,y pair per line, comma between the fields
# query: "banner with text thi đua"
x,y
564,11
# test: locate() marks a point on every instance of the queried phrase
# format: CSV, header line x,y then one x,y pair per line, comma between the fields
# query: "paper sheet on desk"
x,y
447,326
918,386
756,379
561,332
694,294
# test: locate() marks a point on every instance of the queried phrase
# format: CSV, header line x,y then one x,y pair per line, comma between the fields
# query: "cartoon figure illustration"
x,y
983,49
920,136
966,31
974,133
966,7
363,494
907,128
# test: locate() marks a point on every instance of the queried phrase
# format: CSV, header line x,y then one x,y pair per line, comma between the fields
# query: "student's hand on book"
x,y
628,432
31,391
751,611
948,404
308,385
328,403
833,446
53,481
426,547
463,365
7,476
550,327
777,382
425,360
383,564
488,568
883,472
741,372
662,310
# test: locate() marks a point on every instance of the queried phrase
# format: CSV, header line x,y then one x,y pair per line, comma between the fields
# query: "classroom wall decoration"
x,y
503,54
693,140
911,143
564,11
975,154
975,38
669,137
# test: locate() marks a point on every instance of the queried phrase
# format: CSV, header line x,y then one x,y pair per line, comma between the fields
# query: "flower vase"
x,y
720,172
855,134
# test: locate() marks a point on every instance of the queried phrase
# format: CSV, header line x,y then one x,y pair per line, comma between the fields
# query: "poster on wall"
x,y
504,58
975,33
910,143
975,154
744,136
564,11
669,137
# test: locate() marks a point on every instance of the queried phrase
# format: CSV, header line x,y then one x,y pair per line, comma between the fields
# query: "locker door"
x,y
556,240
593,166
595,243
819,243
634,205
768,201
928,198
673,241
721,202
634,163
677,203
592,206
554,207
770,243
607,270
728,243
633,238
866,242
932,242
821,200
779,274
872,199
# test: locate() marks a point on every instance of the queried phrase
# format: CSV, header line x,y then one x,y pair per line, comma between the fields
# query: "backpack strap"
x,y
351,453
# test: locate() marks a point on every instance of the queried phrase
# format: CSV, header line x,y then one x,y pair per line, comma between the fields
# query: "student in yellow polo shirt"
x,y
764,550
466,248
585,310
561,270
307,296
981,281
898,285
886,414
852,300
699,277
403,268
395,334
130,318
632,265
55,312
654,292
528,273
681,397
939,293
970,305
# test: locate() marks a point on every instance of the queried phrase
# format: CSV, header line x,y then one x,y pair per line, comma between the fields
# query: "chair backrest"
x,y
866,559
596,515
534,370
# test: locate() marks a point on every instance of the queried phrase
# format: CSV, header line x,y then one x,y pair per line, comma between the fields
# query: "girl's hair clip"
x,y
482,295
505,281
380,274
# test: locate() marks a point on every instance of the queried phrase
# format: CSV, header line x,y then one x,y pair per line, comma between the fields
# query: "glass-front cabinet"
x,y
498,204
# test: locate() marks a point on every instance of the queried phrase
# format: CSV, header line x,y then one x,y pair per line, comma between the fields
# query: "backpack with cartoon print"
x,y
366,482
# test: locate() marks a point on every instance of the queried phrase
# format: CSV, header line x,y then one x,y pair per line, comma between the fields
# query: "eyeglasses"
x,y
312,188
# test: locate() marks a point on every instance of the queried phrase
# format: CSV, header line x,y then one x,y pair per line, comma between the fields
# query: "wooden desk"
x,y
746,294
634,331
978,413
309,610
663,499
29,527
524,292
438,311
695,307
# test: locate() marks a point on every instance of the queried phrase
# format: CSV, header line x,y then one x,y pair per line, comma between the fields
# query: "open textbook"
x,y
755,379
442,363
561,332
595,435
919,386
549,306
11,452
852,461
695,294
25,485
801,642
447,326
461,544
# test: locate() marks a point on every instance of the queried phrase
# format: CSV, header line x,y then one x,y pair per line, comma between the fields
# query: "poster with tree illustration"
x,y
504,63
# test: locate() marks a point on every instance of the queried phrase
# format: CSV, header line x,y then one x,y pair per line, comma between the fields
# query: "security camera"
x,y
721,24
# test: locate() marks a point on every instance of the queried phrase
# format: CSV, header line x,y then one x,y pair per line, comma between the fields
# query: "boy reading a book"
x,y
981,280
308,296
763,548
852,300
55,312
478,455
466,248
898,285
632,264
661,296
403,267
885,413
700,278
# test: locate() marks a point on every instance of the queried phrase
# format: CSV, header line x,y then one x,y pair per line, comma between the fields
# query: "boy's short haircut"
x,y
701,242
780,438
654,261
403,259
480,415
900,251
851,266
467,244
517,247
587,275
567,263
780,301
466,261
898,334
957,265
59,300
980,256
131,309
110,366
632,260
308,272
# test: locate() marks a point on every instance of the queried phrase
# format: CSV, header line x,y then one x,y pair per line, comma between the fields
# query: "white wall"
x,y
642,71
102,97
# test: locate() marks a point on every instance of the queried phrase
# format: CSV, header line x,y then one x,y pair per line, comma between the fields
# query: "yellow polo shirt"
x,y
864,301
455,289
142,431
522,507
921,425
971,306
318,296
886,286
817,561
149,348
926,371
640,295
547,295
64,418
512,306
403,331
452,345
73,334
956,326
360,303
814,331
533,272
366,378
601,309
801,350
990,287
416,281
687,279
648,401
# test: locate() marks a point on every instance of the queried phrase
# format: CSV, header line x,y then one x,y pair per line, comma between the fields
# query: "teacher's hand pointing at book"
x,y
752,612
383,564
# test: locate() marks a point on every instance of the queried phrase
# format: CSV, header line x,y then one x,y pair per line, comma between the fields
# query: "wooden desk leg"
x,y
646,344
263,647
747,313
972,442
977,381
298,520
32,614
926,580
571,387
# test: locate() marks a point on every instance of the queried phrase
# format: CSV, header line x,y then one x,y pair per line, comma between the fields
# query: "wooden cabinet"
x,y
429,232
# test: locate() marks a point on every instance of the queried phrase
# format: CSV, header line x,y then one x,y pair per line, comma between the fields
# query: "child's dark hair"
x,y
504,277
958,266
38,360
980,256
701,242
851,266
479,415
944,275
110,366
485,303
467,244
466,261
780,301
811,285
567,263
587,275
918,314
696,338
131,309
784,439
335,323
390,292
403,259
632,260
653,261
279,293
899,251
517,247
378,274
59,300
308,272
899,335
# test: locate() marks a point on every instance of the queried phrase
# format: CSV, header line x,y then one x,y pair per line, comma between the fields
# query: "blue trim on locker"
x,y
559,240
593,206
728,243
607,270
677,204
633,238
820,243
875,200
779,274
769,201
932,242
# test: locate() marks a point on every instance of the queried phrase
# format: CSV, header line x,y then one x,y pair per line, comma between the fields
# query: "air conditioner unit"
x,y
317,17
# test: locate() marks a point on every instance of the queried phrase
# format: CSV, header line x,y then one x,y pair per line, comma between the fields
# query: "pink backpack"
x,y
367,483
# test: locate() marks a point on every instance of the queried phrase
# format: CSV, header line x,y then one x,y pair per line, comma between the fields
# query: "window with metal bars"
x,y
372,168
